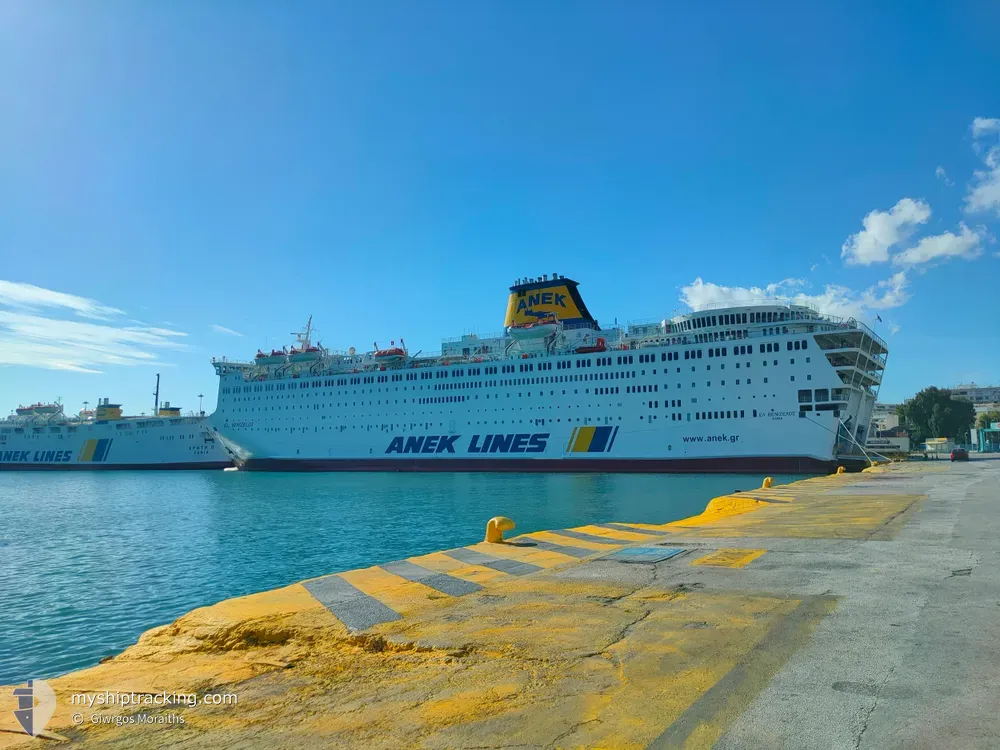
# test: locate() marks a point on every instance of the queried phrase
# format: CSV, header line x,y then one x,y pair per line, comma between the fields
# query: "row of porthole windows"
x,y
530,366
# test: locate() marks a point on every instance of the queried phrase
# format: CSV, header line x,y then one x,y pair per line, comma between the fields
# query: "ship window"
x,y
822,394
803,344
805,396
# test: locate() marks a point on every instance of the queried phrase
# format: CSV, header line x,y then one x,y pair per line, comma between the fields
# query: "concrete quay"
x,y
845,611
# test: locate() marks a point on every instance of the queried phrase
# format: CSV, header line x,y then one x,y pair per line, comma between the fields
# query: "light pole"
x,y
200,410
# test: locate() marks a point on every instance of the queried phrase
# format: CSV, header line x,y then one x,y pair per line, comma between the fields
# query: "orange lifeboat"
x,y
600,346
391,355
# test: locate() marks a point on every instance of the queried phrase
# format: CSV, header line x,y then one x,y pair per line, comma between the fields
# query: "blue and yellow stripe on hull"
x,y
95,450
592,439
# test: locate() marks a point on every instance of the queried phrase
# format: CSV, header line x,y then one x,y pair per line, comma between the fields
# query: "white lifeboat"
x,y
277,356
537,329
308,354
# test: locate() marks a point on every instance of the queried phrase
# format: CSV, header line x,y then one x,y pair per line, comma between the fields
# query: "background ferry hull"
x,y
188,466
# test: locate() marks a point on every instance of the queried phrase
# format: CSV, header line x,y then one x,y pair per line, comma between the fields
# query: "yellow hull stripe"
x,y
87,453
583,438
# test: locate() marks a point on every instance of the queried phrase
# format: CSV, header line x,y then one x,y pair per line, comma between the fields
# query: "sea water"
x,y
89,560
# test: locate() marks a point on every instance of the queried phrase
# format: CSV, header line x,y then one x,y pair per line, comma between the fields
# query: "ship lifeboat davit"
x,y
536,329
277,356
600,346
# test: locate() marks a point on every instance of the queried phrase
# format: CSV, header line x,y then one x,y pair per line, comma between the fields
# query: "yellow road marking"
x,y
618,535
541,558
442,563
397,593
566,541
730,557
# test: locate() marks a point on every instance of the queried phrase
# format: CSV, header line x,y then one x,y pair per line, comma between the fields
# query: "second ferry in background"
x,y
761,387
42,436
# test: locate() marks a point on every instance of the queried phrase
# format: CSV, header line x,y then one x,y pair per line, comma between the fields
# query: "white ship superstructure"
x,y
769,386
42,436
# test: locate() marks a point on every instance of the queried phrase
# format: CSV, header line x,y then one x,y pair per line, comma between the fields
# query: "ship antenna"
x,y
156,396
302,337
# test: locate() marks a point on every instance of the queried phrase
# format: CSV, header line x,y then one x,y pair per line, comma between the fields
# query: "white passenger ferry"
x,y
42,436
763,387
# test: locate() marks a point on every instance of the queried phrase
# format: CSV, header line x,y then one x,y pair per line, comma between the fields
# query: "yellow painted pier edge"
x,y
450,662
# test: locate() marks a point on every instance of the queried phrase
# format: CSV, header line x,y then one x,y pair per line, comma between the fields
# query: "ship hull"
x,y
726,465
182,466
149,444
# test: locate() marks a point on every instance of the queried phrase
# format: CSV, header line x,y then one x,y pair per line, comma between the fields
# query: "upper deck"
x,y
854,343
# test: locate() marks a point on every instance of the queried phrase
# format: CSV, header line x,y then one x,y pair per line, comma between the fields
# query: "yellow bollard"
x,y
874,463
841,469
767,483
496,527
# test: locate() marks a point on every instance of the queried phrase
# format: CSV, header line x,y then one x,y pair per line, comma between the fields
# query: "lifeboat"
x,y
389,356
39,408
308,354
536,329
600,346
277,356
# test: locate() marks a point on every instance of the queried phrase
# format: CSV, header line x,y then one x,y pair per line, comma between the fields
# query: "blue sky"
x,y
170,168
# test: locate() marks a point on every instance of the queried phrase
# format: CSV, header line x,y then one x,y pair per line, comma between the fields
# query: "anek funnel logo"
x,y
33,718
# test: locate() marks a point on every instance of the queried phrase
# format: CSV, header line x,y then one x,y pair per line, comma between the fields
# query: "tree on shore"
x,y
987,418
934,413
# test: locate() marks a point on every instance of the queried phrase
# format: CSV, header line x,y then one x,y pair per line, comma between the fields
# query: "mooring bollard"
x,y
496,527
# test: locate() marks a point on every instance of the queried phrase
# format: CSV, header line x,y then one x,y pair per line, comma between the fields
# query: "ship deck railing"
x,y
755,332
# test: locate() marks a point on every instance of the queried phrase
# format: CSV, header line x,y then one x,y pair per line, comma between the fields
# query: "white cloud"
x,y
833,300
33,335
882,230
965,244
887,294
222,329
984,191
15,294
943,176
893,328
984,125
700,294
